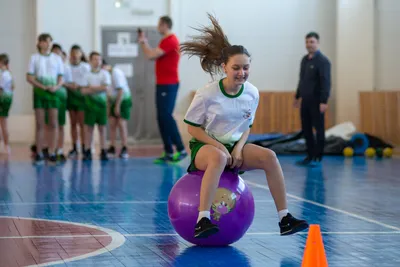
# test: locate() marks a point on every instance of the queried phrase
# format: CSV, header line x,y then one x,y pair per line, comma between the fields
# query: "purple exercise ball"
x,y
232,209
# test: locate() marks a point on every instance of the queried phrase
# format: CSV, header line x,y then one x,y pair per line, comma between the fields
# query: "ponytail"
x,y
83,58
212,47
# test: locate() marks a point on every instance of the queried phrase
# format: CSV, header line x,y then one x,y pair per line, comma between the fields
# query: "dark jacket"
x,y
315,78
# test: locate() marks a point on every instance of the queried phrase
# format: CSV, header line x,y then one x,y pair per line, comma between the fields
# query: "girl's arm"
x,y
242,141
202,136
32,80
100,88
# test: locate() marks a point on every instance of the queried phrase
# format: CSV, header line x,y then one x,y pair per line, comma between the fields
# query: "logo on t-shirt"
x,y
247,114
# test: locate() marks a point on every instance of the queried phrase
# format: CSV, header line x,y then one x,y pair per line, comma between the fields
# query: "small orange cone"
x,y
314,253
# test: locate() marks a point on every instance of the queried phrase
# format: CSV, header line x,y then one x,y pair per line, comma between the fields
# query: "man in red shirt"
x,y
167,58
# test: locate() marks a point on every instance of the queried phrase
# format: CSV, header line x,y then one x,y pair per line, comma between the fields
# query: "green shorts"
x,y
76,101
5,105
93,117
44,99
194,146
125,109
62,114
62,107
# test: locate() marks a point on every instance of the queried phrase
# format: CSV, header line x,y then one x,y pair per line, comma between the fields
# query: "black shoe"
x,y
124,153
103,155
46,153
61,158
73,154
39,160
111,152
290,225
52,159
204,228
304,162
87,155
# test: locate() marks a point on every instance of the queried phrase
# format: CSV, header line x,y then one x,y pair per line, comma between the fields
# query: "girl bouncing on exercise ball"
x,y
219,120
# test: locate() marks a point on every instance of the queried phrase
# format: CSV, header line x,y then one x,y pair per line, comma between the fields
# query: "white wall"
x,y
69,22
387,45
354,57
272,31
17,31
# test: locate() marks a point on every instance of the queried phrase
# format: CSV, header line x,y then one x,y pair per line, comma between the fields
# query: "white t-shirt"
x,y
101,77
78,72
119,82
224,117
6,82
46,68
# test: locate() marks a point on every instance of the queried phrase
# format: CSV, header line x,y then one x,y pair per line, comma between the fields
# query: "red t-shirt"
x,y
167,64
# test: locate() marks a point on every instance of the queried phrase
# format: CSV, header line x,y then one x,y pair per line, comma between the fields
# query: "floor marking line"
x,y
104,202
174,234
117,240
331,208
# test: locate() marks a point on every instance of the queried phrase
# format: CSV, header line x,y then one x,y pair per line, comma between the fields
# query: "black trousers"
x,y
312,118
165,104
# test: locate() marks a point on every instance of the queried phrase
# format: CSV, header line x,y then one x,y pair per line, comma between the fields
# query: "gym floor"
x,y
115,214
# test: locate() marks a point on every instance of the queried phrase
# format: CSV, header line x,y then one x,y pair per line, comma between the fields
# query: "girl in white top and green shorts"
x,y
6,96
45,74
219,119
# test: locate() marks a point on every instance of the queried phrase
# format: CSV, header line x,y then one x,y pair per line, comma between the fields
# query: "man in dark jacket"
x,y
312,97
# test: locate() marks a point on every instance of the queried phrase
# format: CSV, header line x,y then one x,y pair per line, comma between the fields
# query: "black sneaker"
x,y
111,152
290,225
73,154
124,153
103,155
87,155
39,160
61,158
204,228
46,153
52,159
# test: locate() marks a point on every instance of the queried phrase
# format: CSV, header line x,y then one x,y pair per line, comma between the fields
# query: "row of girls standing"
x,y
93,93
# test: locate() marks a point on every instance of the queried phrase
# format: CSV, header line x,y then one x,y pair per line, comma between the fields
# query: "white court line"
x,y
331,208
172,234
117,240
105,202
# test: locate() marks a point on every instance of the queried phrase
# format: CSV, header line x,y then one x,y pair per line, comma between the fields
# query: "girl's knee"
x,y
217,159
268,158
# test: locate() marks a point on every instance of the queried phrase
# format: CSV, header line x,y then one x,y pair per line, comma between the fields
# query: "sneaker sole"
x,y
296,229
207,233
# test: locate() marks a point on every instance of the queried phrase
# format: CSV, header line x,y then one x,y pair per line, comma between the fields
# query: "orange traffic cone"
x,y
314,253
